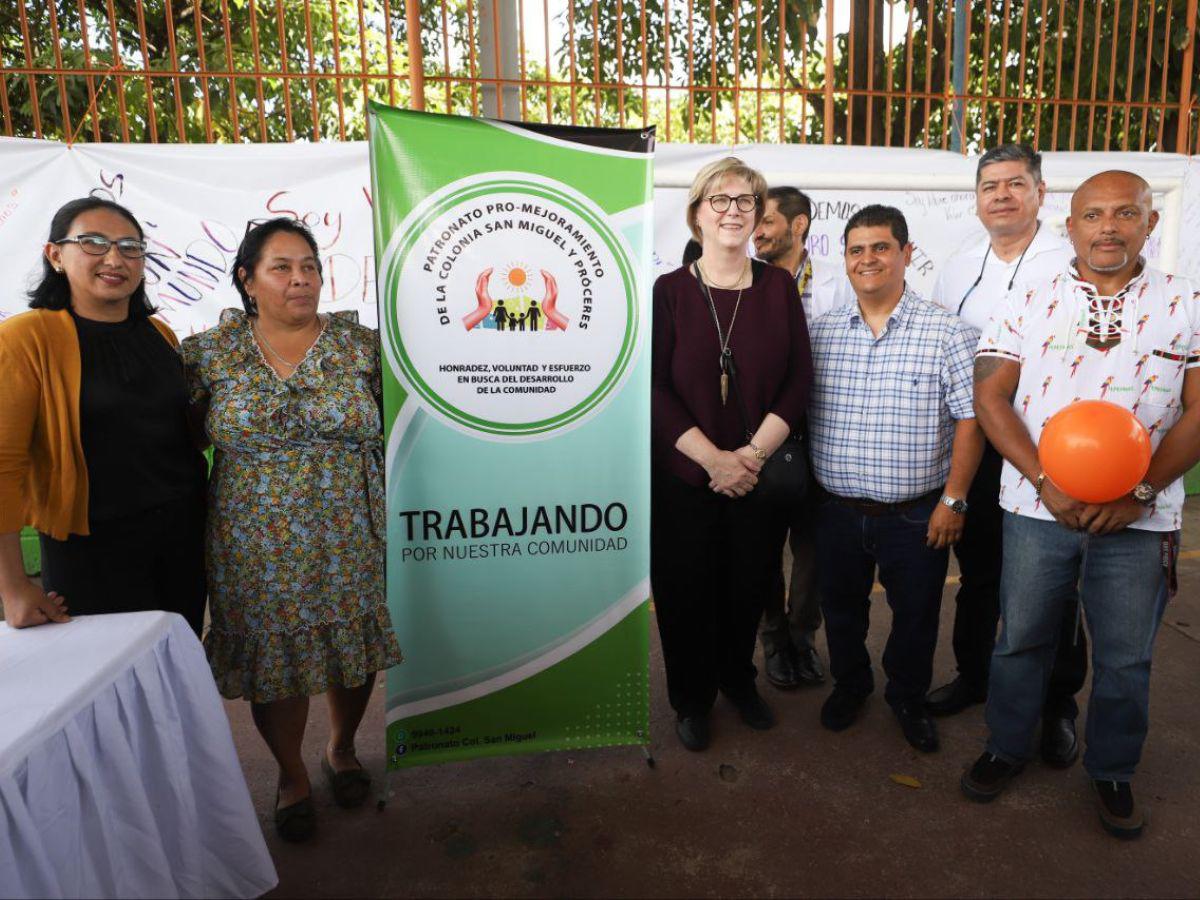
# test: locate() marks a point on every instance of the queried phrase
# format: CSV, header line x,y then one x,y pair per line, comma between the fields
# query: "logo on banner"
x,y
518,311
510,305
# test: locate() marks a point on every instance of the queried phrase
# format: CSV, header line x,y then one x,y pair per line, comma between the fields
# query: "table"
x,y
118,775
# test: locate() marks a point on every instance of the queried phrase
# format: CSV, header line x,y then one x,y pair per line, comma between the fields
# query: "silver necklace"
x,y
275,353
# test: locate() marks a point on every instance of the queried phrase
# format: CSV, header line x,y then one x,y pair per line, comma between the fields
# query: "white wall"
x,y
195,201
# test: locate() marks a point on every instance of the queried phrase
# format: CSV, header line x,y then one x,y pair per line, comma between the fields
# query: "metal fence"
x,y
1061,74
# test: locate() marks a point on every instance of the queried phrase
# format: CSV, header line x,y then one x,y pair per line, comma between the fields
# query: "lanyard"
x,y
804,276
987,253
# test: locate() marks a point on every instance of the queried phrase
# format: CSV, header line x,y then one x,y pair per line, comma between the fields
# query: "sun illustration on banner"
x,y
516,277
517,312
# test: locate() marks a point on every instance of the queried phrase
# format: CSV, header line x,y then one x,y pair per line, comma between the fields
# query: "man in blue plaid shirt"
x,y
894,445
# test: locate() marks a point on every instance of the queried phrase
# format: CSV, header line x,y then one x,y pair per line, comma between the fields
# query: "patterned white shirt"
x,y
883,409
1072,344
823,288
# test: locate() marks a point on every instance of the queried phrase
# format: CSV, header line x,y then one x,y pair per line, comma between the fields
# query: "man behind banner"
x,y
1109,328
895,445
1018,252
791,619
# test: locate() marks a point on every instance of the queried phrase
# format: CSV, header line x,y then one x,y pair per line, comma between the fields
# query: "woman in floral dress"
x,y
291,402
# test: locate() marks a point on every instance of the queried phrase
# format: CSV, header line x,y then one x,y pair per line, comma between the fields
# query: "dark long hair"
x,y
53,291
250,252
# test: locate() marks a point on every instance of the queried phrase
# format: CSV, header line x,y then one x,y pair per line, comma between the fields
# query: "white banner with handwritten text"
x,y
194,202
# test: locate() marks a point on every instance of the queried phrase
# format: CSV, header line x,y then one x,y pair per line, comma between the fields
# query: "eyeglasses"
x,y
99,245
251,224
720,202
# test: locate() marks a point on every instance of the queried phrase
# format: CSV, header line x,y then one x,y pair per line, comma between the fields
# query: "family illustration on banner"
x,y
517,310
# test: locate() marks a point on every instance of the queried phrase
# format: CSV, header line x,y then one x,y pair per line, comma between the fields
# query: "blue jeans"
x,y
1122,584
850,546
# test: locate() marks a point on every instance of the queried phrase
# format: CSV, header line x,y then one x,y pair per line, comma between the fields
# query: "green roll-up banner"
x,y
513,274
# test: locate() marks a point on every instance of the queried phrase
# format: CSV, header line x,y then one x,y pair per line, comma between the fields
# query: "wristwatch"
x,y
1144,493
958,507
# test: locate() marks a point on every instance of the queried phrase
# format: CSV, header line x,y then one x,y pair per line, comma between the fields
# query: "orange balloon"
x,y
1094,451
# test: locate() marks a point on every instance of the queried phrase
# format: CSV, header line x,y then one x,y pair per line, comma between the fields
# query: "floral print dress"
x,y
296,521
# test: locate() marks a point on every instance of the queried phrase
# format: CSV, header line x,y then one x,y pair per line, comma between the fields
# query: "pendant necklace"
x,y
726,358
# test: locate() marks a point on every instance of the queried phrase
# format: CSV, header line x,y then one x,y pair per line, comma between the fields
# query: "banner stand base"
x,y
385,787
384,790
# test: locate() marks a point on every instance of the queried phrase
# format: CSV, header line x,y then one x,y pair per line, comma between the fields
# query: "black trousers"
x,y
712,562
150,560
792,615
977,604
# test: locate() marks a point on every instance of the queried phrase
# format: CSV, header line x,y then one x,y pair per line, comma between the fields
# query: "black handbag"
x,y
783,480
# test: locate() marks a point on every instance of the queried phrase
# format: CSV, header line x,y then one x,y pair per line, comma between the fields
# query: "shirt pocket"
x,y
1161,380
913,383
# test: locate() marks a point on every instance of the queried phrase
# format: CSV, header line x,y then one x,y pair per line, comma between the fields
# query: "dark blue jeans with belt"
x,y
851,546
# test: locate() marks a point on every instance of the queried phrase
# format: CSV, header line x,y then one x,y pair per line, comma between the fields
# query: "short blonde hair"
x,y
712,175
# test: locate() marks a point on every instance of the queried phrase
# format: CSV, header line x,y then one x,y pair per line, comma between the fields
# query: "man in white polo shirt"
x,y
1018,252
1108,327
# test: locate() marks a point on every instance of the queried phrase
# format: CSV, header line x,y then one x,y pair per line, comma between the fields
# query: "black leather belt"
x,y
876,508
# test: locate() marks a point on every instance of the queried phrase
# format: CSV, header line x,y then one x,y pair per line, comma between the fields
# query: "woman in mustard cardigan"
x,y
95,451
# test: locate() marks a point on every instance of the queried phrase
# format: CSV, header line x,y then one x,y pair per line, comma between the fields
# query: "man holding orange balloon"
x,y
1108,328
1017,252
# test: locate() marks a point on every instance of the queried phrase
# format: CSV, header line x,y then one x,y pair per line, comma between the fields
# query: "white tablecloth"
x,y
118,775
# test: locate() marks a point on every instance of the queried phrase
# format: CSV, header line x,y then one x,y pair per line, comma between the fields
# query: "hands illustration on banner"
x,y
550,304
484,309
486,305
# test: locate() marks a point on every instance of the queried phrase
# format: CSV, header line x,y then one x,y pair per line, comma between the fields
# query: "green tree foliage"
x,y
1061,74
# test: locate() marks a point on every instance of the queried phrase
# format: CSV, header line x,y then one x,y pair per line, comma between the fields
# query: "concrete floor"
x,y
797,811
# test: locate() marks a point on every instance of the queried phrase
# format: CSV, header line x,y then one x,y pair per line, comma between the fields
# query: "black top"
x,y
133,403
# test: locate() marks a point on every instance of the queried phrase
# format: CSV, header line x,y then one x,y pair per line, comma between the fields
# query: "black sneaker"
x,y
1119,812
988,778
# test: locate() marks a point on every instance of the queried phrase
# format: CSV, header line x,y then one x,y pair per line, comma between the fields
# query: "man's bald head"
x,y
1112,215
1114,182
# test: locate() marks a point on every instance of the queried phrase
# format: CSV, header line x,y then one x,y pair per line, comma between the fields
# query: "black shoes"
x,y
693,732
1060,746
841,709
1119,812
752,708
954,697
780,669
791,667
987,779
918,728
296,823
808,666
